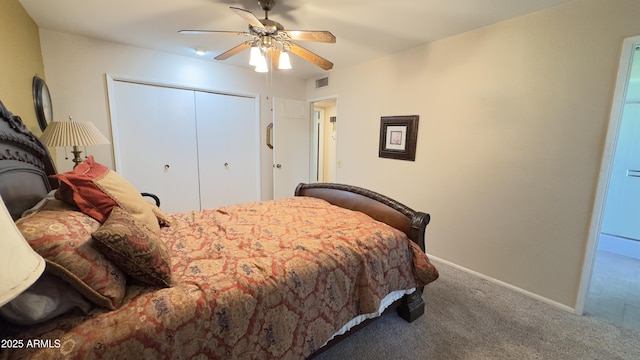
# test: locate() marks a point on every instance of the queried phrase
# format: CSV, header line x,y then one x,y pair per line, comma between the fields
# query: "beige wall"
x,y
512,127
21,59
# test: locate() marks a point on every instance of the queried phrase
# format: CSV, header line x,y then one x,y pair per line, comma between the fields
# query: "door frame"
x,y
315,149
613,130
318,145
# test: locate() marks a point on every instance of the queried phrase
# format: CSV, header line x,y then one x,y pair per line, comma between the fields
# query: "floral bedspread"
x,y
266,280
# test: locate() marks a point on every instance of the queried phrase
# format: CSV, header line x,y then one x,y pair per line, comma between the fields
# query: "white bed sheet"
x,y
384,303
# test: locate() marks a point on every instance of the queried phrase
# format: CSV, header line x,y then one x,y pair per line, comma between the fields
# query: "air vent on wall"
x,y
322,82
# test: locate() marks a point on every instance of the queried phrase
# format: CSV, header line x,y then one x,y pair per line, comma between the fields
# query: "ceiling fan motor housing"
x,y
266,4
271,26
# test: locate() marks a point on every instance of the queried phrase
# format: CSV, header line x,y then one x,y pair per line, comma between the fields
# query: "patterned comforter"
x,y
265,280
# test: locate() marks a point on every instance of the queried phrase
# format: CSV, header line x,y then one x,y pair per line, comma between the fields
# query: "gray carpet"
x,y
467,317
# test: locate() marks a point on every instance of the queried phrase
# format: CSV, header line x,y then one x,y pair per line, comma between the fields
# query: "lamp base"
x,y
76,156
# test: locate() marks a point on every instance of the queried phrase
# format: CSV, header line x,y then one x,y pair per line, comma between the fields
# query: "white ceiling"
x,y
364,29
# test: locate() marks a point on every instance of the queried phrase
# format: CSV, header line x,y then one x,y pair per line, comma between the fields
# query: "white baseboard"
x,y
619,245
507,285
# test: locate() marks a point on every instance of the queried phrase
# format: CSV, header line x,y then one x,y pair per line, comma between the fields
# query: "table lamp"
x,y
72,133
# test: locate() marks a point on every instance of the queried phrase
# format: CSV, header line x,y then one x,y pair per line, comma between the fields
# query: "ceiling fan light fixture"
x,y
270,38
285,62
200,51
261,67
255,55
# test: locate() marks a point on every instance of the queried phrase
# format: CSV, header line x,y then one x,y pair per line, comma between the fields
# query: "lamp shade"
x,y
20,265
254,55
285,61
72,133
262,65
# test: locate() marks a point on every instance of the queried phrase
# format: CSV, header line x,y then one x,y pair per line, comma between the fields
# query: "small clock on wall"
x,y
42,102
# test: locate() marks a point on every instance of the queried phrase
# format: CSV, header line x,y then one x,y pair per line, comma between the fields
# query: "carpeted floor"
x,y
467,317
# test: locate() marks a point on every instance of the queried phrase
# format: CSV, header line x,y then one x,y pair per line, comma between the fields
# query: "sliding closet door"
x,y
154,142
228,155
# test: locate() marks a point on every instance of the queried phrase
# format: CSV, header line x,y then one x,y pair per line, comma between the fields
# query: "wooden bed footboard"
x,y
386,210
380,207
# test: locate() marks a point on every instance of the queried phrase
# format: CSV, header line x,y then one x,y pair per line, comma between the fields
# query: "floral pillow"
x,y
62,236
138,252
96,189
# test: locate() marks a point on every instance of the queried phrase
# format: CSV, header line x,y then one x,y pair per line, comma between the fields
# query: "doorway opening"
x,y
325,137
610,282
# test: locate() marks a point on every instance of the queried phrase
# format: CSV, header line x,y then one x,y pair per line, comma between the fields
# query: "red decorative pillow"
x,y
63,238
138,252
95,190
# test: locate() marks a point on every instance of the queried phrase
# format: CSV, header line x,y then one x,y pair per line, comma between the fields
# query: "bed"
x,y
274,279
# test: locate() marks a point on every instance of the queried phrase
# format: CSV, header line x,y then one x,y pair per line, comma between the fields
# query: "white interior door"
x,y
291,145
228,156
154,131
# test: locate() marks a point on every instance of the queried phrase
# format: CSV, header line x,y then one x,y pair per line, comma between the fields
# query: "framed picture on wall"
x,y
398,137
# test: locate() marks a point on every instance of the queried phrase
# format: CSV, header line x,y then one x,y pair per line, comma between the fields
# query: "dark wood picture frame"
x,y
398,137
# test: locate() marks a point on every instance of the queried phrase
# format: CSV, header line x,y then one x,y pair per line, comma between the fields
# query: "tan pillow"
x,y
95,190
62,236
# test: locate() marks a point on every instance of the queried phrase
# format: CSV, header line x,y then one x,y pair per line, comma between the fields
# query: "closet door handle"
x,y
270,136
633,173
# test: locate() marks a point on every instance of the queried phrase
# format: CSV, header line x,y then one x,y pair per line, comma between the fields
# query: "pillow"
x,y
139,253
95,190
47,298
62,237
163,219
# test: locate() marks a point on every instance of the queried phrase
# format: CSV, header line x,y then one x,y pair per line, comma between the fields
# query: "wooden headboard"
x,y
25,164
380,207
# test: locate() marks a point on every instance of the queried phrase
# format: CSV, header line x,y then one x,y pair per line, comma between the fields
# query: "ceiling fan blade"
x,y
249,17
310,35
198,32
229,53
310,56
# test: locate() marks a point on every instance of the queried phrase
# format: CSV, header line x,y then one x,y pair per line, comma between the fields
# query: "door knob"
x,y
279,166
226,165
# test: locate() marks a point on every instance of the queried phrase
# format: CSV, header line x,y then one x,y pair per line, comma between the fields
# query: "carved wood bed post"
x,y
27,167
13,130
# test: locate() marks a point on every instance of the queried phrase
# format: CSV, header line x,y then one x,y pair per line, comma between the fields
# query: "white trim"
x,y
617,104
619,245
184,86
506,285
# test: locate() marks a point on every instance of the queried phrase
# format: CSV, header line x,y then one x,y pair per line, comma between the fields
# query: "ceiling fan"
x,y
271,41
